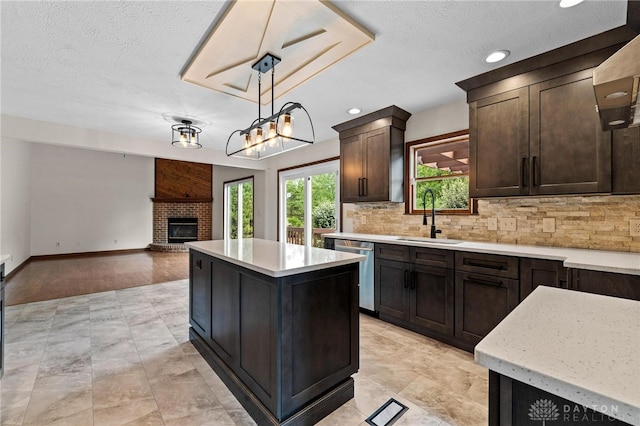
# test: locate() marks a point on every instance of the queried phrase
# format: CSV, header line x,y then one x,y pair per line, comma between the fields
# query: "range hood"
x,y
616,84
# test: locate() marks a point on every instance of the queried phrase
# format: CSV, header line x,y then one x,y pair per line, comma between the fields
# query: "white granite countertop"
x,y
4,258
597,260
273,258
580,346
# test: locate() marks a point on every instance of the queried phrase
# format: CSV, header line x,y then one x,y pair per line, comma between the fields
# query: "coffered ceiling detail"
x,y
309,36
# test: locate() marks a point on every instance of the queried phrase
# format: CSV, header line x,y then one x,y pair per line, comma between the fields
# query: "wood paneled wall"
x,y
182,180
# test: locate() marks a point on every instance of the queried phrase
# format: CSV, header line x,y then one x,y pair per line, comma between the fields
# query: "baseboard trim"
x,y
16,270
87,254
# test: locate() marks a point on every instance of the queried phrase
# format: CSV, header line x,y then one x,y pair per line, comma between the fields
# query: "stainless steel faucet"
x,y
434,231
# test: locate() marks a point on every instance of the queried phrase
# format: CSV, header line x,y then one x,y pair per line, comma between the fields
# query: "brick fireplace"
x,y
182,190
163,210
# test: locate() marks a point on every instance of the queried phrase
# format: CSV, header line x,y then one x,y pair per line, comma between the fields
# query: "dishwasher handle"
x,y
339,246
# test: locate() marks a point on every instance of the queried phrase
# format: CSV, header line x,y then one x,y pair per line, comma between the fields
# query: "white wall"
x,y
15,192
222,174
438,121
89,200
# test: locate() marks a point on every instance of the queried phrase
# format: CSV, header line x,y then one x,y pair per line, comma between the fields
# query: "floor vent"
x,y
388,414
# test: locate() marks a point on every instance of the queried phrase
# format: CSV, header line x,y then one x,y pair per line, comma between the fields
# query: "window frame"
x,y
409,185
303,171
226,186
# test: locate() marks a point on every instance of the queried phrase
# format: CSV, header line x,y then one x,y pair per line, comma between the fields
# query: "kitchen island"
x,y
567,357
278,323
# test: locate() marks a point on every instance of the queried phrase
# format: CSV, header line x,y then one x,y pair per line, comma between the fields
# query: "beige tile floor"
x,y
123,358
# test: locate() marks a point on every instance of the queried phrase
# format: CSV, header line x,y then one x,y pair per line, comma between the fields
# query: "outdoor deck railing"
x,y
295,235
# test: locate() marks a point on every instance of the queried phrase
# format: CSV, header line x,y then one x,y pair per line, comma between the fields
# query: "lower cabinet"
x,y
535,272
482,301
605,283
487,289
200,293
413,294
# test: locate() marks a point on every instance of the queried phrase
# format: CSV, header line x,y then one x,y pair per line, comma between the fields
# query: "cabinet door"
x,y
482,301
200,294
391,288
570,154
224,311
499,145
376,145
535,272
606,283
431,298
351,169
625,161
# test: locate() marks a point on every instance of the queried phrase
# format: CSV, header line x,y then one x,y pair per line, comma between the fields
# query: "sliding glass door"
x,y
238,209
309,203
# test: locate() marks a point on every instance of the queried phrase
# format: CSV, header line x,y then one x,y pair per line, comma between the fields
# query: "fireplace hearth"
x,y
182,229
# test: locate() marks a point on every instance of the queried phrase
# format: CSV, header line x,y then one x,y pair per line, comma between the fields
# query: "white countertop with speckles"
x,y
580,346
597,260
273,258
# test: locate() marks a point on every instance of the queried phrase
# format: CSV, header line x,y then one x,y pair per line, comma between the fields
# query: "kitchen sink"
x,y
430,240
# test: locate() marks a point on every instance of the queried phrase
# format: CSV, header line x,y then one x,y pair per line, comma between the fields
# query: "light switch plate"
x,y
634,227
549,224
492,224
507,223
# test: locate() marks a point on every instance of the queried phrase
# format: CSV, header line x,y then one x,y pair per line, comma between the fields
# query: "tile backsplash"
x,y
594,222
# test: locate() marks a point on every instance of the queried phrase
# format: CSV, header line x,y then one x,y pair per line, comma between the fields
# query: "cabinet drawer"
x,y
432,257
488,264
392,252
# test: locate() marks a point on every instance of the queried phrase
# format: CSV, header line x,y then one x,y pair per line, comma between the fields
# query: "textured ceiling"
x,y
116,65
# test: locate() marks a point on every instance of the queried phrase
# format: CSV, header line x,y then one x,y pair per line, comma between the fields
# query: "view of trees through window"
x,y
441,164
241,202
318,205
450,192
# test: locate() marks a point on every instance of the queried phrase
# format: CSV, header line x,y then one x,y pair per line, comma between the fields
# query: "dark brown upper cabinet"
x,y
534,128
625,160
372,156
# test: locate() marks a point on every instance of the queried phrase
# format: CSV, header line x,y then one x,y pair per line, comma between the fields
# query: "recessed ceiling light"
x,y
354,111
569,3
497,56
616,122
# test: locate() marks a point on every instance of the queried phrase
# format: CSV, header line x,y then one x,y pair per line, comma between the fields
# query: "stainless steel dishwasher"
x,y
366,269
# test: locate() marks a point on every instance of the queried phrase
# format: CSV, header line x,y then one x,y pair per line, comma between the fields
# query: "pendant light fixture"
x,y
185,135
275,134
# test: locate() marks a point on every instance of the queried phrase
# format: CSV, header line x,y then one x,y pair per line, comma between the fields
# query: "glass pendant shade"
x,y
185,135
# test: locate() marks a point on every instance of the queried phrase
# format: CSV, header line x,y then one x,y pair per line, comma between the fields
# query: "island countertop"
x,y
580,346
273,258
596,260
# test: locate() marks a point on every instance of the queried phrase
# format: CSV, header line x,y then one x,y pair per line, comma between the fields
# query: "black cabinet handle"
x,y
536,171
413,280
199,263
365,186
563,283
497,267
360,187
497,283
523,173
406,279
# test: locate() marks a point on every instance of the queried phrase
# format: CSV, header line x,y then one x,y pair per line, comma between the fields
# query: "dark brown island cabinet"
x,y
285,345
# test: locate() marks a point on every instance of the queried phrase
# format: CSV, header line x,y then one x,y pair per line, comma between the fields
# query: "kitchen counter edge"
x,y
596,260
